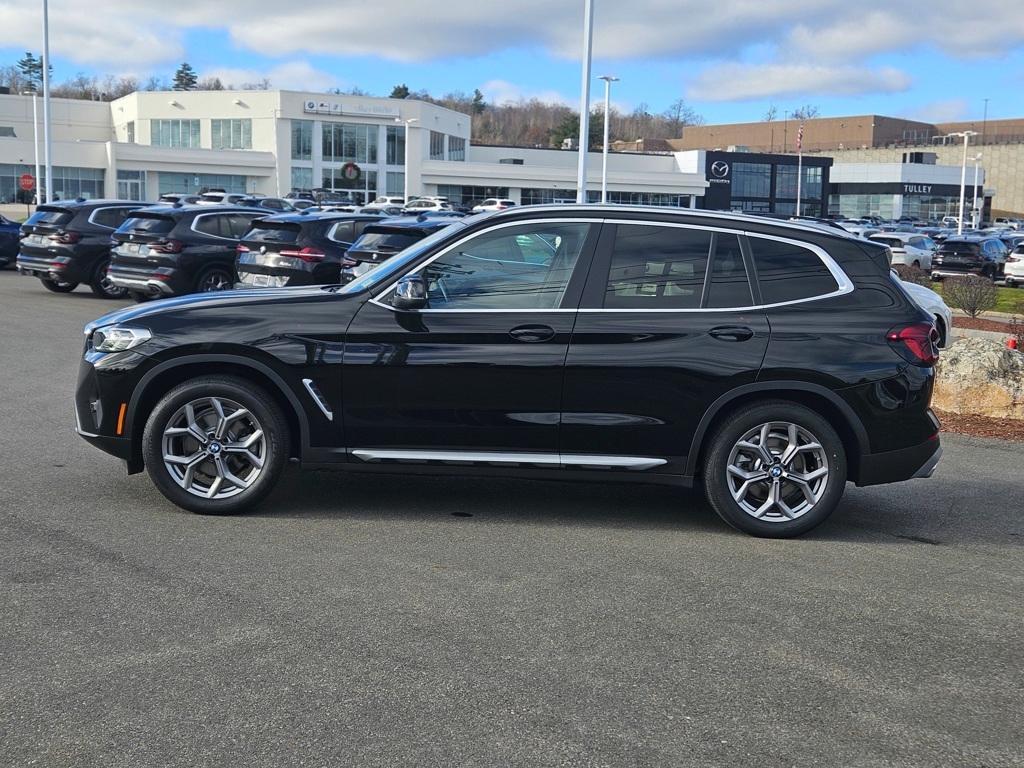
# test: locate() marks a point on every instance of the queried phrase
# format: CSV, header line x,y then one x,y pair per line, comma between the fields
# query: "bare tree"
x,y
679,115
806,112
771,114
210,84
971,294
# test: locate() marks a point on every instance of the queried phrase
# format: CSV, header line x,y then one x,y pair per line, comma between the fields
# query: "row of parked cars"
x,y
122,248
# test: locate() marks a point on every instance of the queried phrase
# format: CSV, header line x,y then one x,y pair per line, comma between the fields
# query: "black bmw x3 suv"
x,y
770,361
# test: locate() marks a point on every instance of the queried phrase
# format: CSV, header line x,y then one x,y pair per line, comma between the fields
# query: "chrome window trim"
x,y
470,236
195,220
510,457
107,208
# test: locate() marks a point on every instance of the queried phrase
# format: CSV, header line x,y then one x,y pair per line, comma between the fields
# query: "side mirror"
x,y
410,293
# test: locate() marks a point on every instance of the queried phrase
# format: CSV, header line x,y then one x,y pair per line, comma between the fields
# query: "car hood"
x,y
206,301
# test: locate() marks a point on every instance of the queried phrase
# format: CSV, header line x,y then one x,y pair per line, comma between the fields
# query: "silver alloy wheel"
x,y
215,281
109,289
777,472
214,448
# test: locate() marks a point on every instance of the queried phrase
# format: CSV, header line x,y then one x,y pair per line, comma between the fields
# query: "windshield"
x,y
379,275
384,241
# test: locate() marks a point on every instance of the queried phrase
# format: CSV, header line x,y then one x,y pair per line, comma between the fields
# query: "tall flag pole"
x,y
799,164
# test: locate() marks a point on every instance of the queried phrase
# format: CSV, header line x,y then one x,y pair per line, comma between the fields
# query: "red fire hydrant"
x,y
1011,343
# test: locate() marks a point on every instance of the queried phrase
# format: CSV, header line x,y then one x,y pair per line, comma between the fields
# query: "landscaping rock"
x,y
978,376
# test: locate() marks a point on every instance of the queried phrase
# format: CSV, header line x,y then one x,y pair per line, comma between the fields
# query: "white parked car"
x,y
384,200
423,204
220,198
907,248
493,204
1013,272
932,303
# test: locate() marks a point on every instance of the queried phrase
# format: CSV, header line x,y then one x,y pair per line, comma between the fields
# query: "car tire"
x,y
101,285
216,445
214,279
940,326
58,286
740,482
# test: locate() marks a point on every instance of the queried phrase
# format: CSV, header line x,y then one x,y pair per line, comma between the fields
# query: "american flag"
x,y
800,138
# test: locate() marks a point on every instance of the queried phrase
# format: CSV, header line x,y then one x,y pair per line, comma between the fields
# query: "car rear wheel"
x,y
215,279
775,469
101,285
216,445
58,286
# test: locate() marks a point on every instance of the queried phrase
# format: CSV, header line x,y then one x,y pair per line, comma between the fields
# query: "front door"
x,y
664,329
478,372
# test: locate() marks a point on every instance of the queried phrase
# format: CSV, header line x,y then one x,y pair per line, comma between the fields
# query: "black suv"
x,y
290,249
67,243
770,361
960,255
167,250
382,240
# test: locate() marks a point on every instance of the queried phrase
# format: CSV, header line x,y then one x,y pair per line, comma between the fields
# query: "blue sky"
x,y
730,60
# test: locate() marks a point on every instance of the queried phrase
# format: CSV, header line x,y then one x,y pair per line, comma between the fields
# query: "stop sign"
x,y
27,181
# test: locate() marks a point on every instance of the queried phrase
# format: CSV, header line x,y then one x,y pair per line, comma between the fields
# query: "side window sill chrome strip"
x,y
506,458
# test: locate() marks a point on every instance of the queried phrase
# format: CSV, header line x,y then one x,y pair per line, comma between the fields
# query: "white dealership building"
x,y
270,142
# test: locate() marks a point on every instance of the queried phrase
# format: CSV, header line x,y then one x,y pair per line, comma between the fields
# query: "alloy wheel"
x,y
777,472
214,447
215,281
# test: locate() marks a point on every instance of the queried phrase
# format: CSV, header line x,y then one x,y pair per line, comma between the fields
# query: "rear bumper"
x,y
918,461
148,286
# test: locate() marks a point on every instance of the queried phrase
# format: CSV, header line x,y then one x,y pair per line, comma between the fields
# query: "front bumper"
x,y
940,272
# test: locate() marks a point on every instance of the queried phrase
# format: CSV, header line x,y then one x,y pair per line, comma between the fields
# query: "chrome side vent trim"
x,y
318,398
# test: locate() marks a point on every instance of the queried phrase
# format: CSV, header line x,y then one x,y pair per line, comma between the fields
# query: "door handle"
x,y
732,333
532,333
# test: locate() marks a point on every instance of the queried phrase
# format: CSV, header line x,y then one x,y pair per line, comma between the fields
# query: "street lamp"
x,y
408,124
608,80
588,40
47,137
963,176
976,209
35,134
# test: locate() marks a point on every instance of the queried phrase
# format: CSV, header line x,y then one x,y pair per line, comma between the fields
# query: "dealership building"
x,y
269,142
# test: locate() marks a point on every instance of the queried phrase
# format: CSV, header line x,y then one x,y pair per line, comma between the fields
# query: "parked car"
x,y
178,197
969,255
907,248
221,198
10,238
493,204
389,200
169,250
301,203
385,209
421,205
1014,268
769,362
68,243
380,241
441,214
278,204
933,304
297,248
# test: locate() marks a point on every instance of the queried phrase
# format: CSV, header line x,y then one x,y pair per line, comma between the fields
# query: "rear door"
x,y
665,328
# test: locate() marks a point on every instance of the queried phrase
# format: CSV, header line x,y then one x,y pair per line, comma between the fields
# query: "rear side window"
x,y
216,225
657,267
342,232
789,272
239,223
112,218
55,218
728,286
152,225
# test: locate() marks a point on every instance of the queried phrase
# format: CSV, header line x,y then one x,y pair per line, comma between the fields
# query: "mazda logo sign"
x,y
720,168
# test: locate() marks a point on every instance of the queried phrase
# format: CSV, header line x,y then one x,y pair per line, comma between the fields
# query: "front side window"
x,y
522,267
656,267
789,272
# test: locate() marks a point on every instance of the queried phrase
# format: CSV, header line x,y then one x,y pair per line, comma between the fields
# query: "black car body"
x,y
306,248
10,239
960,255
169,250
68,242
770,361
380,241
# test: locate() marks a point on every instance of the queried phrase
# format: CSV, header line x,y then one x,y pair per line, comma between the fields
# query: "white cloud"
x,y
292,75
738,82
503,92
945,111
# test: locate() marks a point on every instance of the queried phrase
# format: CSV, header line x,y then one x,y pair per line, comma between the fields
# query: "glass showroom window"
x,y
349,143
436,145
131,185
395,183
231,134
537,196
302,178
395,147
641,198
175,133
302,139
751,180
69,183
456,148
194,183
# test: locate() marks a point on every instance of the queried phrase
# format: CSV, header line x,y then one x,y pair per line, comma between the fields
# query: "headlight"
x,y
115,339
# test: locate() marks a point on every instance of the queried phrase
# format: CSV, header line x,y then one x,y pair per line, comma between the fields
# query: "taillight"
x,y
242,248
66,237
917,343
166,246
309,255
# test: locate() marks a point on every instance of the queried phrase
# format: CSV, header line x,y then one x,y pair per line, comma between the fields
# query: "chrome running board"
x,y
587,461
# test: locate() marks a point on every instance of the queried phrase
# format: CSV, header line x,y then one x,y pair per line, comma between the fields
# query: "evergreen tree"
x,y
185,79
31,68
479,105
400,92
569,128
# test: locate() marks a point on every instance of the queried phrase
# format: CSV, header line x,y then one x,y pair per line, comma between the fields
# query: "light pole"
x,y
35,134
608,80
976,209
405,176
588,40
963,178
47,138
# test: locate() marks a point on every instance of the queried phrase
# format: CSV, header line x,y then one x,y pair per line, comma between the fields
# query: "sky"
x,y
731,60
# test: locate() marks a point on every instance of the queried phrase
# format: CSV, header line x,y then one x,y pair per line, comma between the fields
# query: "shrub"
x,y
911,274
971,294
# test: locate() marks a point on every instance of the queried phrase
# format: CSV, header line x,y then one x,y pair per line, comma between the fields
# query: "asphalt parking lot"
x,y
411,621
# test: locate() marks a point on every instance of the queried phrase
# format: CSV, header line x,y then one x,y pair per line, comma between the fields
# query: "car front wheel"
x,y
216,445
775,469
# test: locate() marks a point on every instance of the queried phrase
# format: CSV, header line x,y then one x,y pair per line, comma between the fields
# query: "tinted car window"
x,y
155,225
342,232
216,225
524,267
55,218
110,217
239,223
729,286
788,272
386,242
273,232
892,242
657,267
